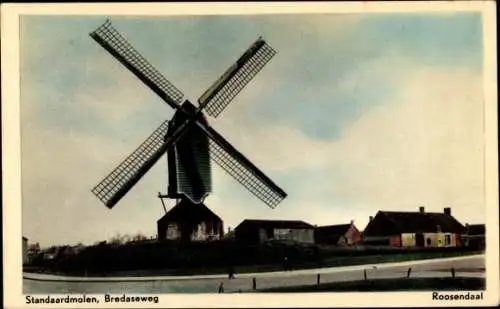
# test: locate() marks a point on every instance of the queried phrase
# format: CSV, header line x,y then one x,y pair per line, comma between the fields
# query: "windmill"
x,y
187,139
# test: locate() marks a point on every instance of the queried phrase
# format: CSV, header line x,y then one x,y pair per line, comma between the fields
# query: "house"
x,y
189,221
34,248
25,250
474,236
259,231
413,229
339,235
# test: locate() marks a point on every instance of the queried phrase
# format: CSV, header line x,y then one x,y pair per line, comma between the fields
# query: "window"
x,y
447,239
428,241
270,233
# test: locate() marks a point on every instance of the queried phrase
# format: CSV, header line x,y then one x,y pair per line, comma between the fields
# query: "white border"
x,y
11,145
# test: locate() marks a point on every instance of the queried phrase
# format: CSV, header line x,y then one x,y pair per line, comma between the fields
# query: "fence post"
x,y
453,272
221,287
408,273
254,283
364,274
317,279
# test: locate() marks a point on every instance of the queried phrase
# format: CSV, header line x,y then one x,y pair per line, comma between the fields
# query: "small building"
x,y
338,235
413,229
25,250
259,231
475,236
34,248
189,221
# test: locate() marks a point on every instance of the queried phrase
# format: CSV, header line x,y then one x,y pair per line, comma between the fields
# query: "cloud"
x,y
424,147
388,132
58,206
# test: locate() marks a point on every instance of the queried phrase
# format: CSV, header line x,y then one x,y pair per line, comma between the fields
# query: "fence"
x,y
356,279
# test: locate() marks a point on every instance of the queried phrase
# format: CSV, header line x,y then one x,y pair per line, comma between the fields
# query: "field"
x,y
164,258
390,284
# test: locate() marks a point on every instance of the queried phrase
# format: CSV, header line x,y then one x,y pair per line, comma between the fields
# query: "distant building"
x,y
190,218
34,248
259,231
339,235
25,250
414,229
475,236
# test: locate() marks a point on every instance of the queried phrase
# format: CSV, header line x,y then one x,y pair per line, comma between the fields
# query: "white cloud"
x,y
422,147
425,147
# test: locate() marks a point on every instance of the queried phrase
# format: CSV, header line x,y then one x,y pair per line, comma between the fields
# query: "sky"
x,y
355,113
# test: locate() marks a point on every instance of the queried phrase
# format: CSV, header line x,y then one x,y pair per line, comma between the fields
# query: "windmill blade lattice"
x,y
112,188
111,40
241,169
223,91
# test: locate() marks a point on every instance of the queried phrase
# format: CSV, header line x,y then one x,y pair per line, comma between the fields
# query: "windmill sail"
x,y
223,91
114,186
188,140
111,40
244,171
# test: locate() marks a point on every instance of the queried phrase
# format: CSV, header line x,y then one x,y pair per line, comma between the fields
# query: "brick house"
x,y
339,235
414,229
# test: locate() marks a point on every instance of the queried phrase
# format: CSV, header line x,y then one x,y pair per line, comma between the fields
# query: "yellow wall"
x,y
439,240
436,240
408,240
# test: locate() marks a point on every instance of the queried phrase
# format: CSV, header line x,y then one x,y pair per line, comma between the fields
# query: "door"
x,y
419,240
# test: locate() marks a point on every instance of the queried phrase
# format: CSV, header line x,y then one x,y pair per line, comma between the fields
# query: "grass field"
x,y
399,284
358,260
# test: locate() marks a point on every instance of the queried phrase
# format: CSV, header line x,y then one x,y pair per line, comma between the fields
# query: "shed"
x,y
258,231
190,221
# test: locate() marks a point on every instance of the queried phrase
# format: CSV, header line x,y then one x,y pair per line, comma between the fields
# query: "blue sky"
x,y
354,114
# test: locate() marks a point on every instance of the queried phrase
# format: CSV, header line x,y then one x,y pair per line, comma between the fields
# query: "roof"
x,y
339,229
276,224
476,229
331,233
189,211
413,222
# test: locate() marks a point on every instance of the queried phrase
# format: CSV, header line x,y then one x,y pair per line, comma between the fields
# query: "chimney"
x,y
370,218
447,211
421,209
352,222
